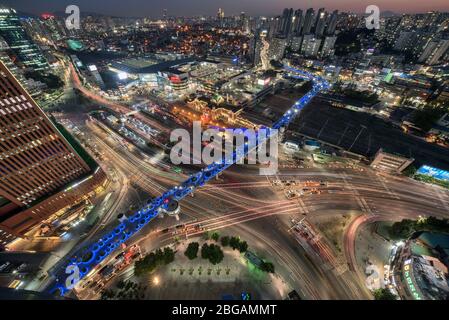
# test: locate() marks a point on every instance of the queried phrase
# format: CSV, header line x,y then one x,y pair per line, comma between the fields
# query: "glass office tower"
x,y
12,31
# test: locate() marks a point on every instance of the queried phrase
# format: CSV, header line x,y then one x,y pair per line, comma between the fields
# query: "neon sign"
x,y
409,281
434,173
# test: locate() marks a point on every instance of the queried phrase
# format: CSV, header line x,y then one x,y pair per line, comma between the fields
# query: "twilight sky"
x,y
153,8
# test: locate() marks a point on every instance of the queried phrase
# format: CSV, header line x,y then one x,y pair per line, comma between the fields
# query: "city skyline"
x,y
154,9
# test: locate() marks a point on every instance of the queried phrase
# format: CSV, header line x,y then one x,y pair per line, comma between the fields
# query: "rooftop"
x,y
135,68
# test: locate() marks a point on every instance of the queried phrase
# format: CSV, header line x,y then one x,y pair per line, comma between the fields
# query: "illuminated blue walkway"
x,y
88,258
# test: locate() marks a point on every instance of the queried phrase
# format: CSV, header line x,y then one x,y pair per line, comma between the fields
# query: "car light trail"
x,y
88,258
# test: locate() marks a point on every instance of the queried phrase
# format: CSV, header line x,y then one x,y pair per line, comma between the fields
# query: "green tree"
x,y
205,251
267,267
169,255
225,241
410,171
212,252
154,259
426,117
215,236
120,284
402,229
192,250
383,294
215,254
234,243
243,246
206,235
52,81
107,294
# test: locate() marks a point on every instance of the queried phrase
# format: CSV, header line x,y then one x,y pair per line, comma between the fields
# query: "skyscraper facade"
x,y
320,22
12,31
308,21
286,22
220,16
332,24
297,22
310,45
36,162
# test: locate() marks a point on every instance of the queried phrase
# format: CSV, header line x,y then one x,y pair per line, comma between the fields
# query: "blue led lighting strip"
x,y
88,258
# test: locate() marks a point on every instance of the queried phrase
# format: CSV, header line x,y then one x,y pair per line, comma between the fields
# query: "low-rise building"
x,y
389,162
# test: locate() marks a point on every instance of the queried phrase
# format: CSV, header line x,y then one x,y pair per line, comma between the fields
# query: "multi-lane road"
x,y
247,204
244,203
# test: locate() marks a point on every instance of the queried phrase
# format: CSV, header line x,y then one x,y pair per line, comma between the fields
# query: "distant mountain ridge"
x,y
387,14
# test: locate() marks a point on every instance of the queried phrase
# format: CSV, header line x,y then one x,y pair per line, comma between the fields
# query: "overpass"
x,y
87,258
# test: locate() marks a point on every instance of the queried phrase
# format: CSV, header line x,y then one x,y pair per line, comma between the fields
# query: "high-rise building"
x,y
277,48
273,26
32,86
332,25
328,46
220,16
54,27
12,31
34,28
286,22
295,44
297,22
308,21
348,21
47,29
320,22
255,47
37,163
244,22
310,45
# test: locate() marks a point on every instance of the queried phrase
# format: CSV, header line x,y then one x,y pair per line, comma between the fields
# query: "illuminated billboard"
x,y
263,82
434,173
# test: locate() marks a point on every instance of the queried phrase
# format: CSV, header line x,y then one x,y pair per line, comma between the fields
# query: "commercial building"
x,y
12,31
420,267
434,52
388,162
40,171
153,70
96,76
